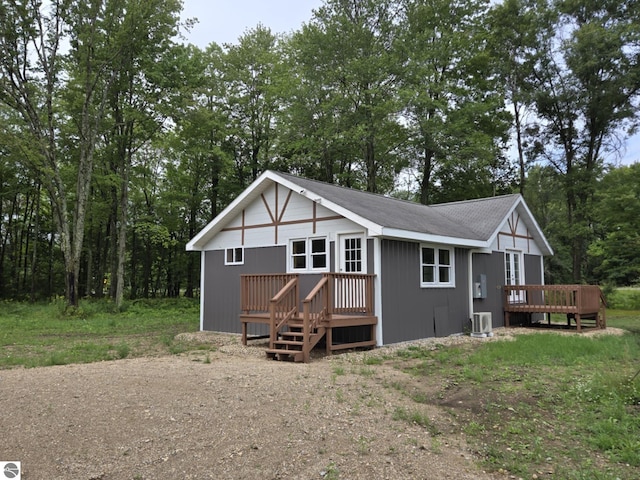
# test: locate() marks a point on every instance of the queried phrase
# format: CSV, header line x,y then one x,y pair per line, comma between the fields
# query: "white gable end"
x,y
277,215
516,234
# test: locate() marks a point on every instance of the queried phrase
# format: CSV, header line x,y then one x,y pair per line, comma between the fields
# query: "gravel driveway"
x,y
231,415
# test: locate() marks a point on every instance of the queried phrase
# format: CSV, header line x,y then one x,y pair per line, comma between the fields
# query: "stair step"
x,y
289,342
278,354
292,334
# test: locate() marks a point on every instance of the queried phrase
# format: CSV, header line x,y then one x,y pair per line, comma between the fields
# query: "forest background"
x,y
119,141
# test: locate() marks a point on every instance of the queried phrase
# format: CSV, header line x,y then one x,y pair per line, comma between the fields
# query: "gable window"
x,y
308,254
436,267
234,256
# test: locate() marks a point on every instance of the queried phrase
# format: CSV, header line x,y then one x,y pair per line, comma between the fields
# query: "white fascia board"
x,y
198,242
430,238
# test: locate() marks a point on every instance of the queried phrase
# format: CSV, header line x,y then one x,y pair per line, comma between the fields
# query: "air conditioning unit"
x,y
481,325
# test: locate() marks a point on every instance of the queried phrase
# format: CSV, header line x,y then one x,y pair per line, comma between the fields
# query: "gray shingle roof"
x,y
472,219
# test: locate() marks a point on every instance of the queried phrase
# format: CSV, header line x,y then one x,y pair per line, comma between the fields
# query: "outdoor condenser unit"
x,y
481,325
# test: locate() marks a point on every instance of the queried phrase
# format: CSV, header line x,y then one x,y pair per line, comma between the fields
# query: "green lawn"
x,y
41,335
547,405
553,406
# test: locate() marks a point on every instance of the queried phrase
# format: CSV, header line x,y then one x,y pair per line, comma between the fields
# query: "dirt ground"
x,y
228,414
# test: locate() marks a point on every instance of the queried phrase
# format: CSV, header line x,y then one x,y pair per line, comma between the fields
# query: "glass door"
x,y
513,275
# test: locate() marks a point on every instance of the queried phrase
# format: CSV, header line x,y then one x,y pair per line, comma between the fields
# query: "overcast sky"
x,y
224,21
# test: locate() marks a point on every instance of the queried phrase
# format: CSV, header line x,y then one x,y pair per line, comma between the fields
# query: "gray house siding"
x,y
492,266
221,311
222,284
411,312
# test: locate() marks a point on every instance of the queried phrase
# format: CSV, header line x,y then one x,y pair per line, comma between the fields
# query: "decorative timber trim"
x,y
512,223
276,216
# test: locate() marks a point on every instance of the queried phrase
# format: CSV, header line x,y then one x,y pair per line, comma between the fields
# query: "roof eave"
x,y
431,238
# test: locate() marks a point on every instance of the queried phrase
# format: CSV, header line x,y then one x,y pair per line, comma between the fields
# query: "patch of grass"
x,y
566,404
47,334
331,472
339,370
416,417
372,360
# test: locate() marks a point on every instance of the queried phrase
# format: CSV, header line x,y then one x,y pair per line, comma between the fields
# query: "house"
x,y
431,267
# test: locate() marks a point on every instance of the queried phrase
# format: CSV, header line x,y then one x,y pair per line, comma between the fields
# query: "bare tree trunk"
x,y
122,234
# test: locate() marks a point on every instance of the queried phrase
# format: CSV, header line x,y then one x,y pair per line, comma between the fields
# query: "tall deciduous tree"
x,y
52,54
452,99
251,72
584,77
349,68
617,215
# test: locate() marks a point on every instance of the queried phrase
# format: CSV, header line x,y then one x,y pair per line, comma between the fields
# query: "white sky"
x,y
224,21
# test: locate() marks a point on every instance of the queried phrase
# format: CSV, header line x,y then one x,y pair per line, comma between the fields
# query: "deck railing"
x,y
578,301
278,295
257,290
352,293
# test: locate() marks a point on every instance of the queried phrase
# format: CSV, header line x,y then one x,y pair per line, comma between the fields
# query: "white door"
x,y
349,293
514,275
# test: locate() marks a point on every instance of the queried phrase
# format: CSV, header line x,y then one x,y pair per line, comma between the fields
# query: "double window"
x,y
308,254
437,267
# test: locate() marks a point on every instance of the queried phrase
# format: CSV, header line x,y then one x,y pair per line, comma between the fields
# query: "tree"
x,y
37,78
452,101
347,78
617,212
583,76
251,71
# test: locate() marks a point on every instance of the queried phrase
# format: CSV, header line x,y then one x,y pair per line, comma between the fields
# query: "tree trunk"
x,y
122,234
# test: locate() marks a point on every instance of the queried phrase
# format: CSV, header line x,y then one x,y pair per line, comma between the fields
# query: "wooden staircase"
x,y
290,344
336,300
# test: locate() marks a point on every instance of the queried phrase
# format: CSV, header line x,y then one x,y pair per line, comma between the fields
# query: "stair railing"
x,y
282,308
315,309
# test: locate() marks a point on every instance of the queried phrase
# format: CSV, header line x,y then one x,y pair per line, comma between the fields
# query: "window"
x,y
436,267
352,255
234,256
308,254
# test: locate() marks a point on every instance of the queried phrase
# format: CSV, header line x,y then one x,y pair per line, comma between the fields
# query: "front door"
x,y
349,293
513,275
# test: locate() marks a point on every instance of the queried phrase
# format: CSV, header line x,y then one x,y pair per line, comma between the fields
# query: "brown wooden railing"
x,y
282,308
577,301
256,291
352,293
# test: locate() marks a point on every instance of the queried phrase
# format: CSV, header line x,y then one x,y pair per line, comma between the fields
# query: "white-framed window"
x,y
308,254
436,266
234,256
352,253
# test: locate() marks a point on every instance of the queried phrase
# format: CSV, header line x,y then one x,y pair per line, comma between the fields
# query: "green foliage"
x,y
624,299
617,210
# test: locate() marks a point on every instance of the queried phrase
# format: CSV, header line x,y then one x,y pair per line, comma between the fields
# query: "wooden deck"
x,y
337,301
578,302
